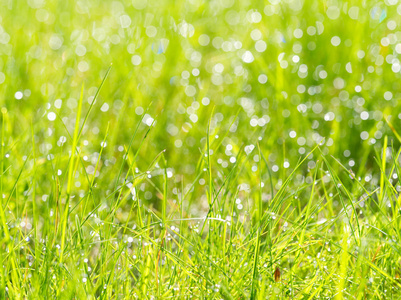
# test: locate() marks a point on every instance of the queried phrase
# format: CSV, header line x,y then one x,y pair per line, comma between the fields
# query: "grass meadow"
x,y
196,149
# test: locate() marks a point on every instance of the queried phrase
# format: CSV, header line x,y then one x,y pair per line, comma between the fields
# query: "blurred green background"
x,y
296,71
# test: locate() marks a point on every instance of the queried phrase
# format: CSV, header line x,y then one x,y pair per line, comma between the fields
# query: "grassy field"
x,y
200,149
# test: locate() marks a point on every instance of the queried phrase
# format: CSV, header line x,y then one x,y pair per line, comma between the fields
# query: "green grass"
x,y
200,149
